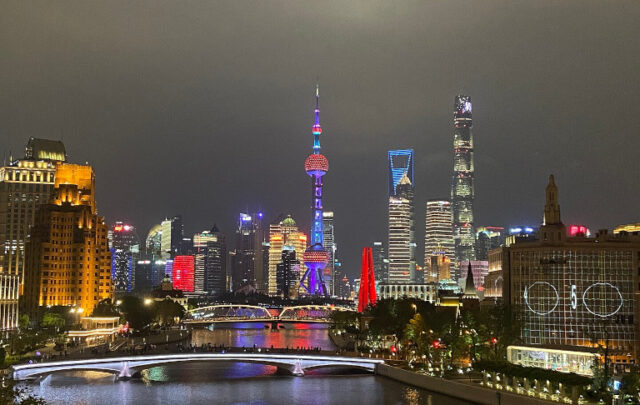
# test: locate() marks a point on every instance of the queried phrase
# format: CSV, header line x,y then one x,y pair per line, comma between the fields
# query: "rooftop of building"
x,y
45,149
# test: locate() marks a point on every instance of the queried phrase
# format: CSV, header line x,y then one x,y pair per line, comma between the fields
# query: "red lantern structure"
x,y
367,295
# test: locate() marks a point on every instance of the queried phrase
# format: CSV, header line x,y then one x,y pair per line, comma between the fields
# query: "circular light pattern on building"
x,y
315,256
316,163
541,284
601,294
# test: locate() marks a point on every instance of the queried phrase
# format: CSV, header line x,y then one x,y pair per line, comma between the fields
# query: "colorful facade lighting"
x,y
367,294
316,165
183,273
578,230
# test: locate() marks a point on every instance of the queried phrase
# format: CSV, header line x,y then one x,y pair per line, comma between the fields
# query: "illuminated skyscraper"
x,y
123,239
402,247
246,264
316,256
216,263
200,241
331,247
438,237
183,273
284,233
380,263
24,185
210,262
171,239
400,162
462,193
288,273
153,247
79,274
487,238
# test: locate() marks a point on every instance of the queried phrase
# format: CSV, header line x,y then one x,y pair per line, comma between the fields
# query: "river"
x,y
237,383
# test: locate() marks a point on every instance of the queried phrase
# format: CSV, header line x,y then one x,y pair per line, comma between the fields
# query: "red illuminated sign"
x,y
575,230
183,277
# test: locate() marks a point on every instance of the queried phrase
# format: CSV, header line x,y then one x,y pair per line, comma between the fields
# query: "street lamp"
x,y
147,301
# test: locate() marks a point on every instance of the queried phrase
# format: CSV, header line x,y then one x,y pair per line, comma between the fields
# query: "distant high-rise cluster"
x,y
462,192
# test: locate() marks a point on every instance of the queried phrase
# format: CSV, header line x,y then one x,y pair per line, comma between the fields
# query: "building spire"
x,y
317,129
551,207
470,287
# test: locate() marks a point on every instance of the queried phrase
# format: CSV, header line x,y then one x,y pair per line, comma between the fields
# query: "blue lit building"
x,y
400,162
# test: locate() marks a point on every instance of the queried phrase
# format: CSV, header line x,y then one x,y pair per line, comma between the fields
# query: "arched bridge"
x,y
127,367
251,313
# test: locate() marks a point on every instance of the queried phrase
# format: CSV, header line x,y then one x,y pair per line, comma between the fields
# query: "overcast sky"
x,y
205,108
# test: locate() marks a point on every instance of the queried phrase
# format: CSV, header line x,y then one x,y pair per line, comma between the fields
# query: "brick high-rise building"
x,y
68,261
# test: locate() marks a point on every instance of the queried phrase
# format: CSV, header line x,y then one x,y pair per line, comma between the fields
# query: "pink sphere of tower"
x,y
316,164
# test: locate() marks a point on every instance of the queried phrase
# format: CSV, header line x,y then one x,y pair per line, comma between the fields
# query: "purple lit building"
x,y
316,256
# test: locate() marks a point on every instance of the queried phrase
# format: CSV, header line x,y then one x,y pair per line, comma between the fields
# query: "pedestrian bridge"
x,y
131,366
251,313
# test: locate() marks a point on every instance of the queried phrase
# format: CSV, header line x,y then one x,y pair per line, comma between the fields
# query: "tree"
x,y
105,308
23,321
136,312
167,311
631,384
53,320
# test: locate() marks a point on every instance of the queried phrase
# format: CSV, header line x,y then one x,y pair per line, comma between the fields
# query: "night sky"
x,y
205,108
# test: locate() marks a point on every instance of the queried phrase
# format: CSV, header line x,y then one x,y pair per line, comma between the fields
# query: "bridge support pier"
x,y
125,373
297,369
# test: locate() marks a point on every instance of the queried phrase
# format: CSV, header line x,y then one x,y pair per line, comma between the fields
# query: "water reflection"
x,y
247,334
236,383
230,383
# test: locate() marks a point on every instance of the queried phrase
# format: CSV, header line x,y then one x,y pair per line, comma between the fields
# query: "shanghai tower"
x,y
316,256
462,188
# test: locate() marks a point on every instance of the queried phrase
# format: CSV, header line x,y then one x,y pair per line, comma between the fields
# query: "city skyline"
x,y
527,114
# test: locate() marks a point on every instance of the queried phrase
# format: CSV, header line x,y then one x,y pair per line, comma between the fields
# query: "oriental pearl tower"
x,y
315,257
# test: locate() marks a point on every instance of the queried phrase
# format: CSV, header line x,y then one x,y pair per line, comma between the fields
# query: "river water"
x,y
237,383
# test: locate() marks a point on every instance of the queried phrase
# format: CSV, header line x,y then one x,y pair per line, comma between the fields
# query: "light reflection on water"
x,y
247,334
236,383
220,383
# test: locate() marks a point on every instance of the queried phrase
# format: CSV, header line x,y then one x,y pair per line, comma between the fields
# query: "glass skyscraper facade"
x,y
123,240
330,246
247,260
380,263
402,247
171,238
462,192
438,237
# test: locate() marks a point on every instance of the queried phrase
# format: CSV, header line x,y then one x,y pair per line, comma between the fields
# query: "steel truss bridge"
x,y
131,366
251,313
